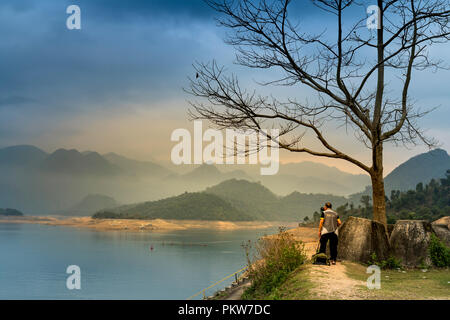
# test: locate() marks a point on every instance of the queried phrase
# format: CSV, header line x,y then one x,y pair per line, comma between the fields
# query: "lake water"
x,y
116,265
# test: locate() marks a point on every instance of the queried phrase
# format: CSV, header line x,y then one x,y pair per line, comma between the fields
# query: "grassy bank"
x,y
282,271
274,261
414,284
309,282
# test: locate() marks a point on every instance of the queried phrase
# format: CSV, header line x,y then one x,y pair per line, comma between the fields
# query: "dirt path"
x,y
332,282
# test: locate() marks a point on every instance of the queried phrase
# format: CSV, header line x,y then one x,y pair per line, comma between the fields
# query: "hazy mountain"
x,y
73,162
137,168
90,205
41,183
54,182
421,168
10,212
310,177
299,205
201,177
284,184
25,156
211,174
187,206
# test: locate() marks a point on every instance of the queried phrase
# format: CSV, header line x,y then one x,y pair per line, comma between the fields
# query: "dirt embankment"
x,y
144,225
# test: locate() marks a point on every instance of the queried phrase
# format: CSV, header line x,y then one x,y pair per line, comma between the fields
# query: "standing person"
x,y
328,230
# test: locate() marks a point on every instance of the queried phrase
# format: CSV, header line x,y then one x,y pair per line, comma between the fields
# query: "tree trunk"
x,y
379,198
378,193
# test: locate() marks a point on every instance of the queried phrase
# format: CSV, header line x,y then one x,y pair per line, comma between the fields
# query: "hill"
x,y
252,198
90,205
209,175
425,202
421,168
10,212
258,201
297,206
73,162
137,168
188,206
25,156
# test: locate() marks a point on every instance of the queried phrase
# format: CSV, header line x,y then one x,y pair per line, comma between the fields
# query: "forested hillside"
x,y
427,202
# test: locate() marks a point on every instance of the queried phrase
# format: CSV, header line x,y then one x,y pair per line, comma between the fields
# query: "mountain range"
x,y
311,177
231,200
36,182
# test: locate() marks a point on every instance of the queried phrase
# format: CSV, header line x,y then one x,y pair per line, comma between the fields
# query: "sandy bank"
x,y
145,225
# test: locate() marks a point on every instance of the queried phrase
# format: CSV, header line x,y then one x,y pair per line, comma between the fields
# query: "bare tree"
x,y
347,69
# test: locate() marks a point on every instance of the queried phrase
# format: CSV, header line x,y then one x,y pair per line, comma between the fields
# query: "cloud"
x,y
129,56
111,63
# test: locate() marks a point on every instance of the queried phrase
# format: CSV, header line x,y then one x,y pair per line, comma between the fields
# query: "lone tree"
x,y
346,68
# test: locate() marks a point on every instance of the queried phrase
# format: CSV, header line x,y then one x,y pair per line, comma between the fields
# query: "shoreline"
x,y
146,225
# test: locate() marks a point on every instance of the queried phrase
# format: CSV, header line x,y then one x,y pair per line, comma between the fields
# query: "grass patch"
x,y
404,284
296,287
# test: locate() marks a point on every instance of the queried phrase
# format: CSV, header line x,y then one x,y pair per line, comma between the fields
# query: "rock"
x,y
359,238
443,221
409,242
390,227
442,232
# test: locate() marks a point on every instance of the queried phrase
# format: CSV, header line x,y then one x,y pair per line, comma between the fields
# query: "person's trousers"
x,y
333,244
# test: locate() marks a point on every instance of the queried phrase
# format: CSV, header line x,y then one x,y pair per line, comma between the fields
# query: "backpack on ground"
x,y
320,258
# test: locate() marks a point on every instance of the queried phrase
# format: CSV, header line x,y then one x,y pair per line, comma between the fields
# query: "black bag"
x,y
320,258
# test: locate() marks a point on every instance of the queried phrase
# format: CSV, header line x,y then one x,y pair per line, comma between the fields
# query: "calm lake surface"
x,y
116,265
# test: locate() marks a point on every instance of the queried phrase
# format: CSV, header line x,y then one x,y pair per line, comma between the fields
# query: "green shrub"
x,y
373,260
276,257
390,263
439,252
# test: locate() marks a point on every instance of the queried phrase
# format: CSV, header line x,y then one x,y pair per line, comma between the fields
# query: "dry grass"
x,y
275,258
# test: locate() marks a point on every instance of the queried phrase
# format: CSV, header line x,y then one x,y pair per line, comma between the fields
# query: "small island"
x,y
10,212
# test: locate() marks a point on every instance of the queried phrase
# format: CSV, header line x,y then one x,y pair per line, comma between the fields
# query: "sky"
x,y
117,84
